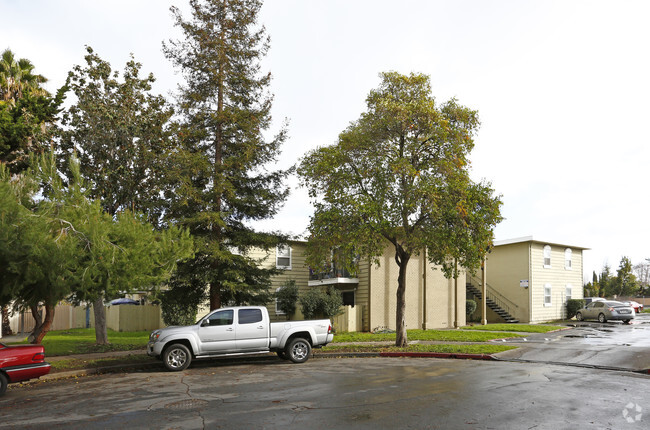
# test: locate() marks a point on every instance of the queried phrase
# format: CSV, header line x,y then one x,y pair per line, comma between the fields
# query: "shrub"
x,y
572,306
332,303
470,307
311,302
179,305
287,297
317,302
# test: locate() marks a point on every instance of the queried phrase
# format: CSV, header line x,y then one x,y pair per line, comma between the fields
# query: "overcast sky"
x,y
561,88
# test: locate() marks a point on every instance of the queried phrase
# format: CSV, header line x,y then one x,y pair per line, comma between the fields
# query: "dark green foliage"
x,y
120,133
470,307
316,303
222,171
180,304
572,306
287,298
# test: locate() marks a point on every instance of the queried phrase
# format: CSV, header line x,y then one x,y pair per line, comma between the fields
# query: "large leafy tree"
x,y
399,176
66,245
223,175
27,112
121,135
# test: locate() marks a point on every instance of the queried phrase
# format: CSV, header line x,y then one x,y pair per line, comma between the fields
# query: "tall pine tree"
x,y
224,179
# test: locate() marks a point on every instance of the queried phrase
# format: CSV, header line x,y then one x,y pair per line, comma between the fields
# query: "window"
x,y
567,258
348,298
547,295
221,318
283,257
547,256
568,292
249,316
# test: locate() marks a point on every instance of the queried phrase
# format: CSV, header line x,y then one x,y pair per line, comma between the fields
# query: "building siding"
x,y
557,276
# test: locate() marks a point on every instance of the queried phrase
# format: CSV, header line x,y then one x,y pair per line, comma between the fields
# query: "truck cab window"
x,y
221,318
249,316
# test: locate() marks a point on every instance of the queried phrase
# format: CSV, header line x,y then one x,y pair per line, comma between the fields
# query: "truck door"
x,y
217,332
252,330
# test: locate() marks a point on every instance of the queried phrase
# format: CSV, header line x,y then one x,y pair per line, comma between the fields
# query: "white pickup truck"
x,y
238,331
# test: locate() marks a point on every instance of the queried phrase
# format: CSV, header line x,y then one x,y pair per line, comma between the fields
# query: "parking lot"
x,y
605,345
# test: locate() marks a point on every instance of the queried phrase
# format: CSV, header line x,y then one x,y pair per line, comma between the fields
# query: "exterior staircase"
x,y
492,304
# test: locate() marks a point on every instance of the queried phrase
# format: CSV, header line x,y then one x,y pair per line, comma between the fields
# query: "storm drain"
x,y
185,405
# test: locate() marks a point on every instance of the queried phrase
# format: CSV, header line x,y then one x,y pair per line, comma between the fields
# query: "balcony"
x,y
334,276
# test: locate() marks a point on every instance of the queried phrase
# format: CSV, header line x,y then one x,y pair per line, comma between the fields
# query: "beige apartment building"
x,y
369,295
529,280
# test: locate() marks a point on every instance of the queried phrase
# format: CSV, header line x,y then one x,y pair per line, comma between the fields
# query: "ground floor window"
x,y
547,295
348,298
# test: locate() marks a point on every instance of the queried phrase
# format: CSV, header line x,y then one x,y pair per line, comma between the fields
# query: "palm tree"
x,y
16,77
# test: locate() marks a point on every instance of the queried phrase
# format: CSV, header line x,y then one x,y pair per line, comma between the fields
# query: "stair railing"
x,y
499,299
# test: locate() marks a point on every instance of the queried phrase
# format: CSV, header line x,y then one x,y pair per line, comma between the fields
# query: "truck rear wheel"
x,y
298,350
177,357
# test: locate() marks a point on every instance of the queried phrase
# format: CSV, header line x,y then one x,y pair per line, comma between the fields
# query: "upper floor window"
x,y
547,256
567,258
283,257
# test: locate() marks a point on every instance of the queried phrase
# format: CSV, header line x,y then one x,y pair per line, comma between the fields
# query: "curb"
x,y
438,355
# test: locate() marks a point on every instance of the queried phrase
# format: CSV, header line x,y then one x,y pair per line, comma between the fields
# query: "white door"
x,y
252,330
217,332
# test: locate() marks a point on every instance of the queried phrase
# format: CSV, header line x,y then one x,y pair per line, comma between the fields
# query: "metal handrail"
x,y
498,298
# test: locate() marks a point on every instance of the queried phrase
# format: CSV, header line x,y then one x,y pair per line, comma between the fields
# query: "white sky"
x,y
561,88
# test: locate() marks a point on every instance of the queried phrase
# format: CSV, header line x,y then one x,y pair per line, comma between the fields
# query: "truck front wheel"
x,y
176,357
298,350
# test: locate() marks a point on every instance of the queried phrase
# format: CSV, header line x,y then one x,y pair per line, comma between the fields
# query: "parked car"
x,y
20,363
604,310
638,307
238,331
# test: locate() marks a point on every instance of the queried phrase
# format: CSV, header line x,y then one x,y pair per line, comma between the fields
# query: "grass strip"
x,y
432,335
82,341
444,348
73,364
525,328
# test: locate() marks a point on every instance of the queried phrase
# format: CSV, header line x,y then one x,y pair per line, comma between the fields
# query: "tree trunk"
x,y
6,327
215,297
101,333
42,326
402,259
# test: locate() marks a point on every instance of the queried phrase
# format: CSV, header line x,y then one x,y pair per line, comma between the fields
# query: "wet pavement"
x,y
611,345
350,393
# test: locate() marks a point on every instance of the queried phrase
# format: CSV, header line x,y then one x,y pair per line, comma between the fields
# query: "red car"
x,y
638,307
20,363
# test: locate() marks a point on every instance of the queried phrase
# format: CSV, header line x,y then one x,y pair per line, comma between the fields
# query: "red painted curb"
x,y
438,355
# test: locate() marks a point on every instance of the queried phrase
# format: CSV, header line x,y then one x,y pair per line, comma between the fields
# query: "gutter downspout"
x,y
456,324
424,287
484,292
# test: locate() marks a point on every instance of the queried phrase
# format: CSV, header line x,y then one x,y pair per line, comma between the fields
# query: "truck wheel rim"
x,y
176,358
299,350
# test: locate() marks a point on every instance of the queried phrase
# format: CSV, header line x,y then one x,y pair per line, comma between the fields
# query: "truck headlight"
x,y
154,335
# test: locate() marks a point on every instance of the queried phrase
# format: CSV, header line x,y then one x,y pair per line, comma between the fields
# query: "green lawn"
x,y
456,349
82,341
432,335
526,328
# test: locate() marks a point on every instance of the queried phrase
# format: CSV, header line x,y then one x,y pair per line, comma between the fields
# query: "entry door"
x,y
219,334
252,330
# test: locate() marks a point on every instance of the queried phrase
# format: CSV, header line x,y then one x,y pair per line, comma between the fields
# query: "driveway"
x,y
348,393
611,345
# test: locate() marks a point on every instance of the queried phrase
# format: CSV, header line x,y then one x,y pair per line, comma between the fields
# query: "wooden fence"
x,y
118,318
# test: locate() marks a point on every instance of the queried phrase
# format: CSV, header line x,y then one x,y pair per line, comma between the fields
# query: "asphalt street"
x,y
349,393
